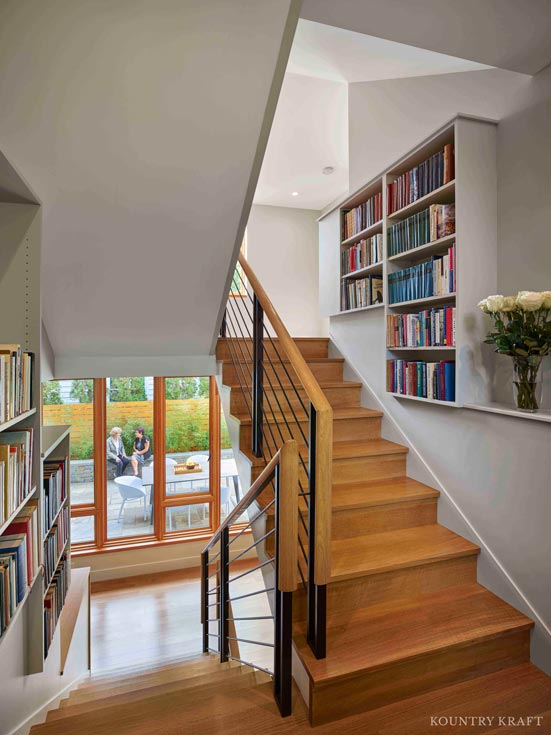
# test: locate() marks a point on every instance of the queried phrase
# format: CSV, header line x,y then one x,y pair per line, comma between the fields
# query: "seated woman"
x,y
142,449
116,453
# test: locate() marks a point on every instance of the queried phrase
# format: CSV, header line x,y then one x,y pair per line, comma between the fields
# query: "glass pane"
x,y
130,455
186,517
82,529
187,435
72,402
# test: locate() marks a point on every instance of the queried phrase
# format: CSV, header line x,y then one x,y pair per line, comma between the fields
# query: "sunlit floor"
x,y
157,621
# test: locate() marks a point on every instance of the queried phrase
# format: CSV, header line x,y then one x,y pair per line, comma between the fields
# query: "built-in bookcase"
x,y
445,224
21,324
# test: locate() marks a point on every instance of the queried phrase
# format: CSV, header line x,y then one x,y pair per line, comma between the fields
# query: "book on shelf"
x,y
16,461
431,224
433,380
364,215
429,328
435,276
54,544
16,368
361,254
421,179
362,292
55,491
54,600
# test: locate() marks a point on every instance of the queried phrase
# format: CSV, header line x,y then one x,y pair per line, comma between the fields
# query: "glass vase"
x,y
527,382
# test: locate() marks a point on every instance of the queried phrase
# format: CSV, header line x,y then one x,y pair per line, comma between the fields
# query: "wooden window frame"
x,y
161,501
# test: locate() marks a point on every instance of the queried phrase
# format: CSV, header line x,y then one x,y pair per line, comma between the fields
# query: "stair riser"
x,y
380,518
377,467
341,397
311,348
366,691
343,430
322,371
353,594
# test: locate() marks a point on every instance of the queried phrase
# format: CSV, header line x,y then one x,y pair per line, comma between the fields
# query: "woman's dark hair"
x,y
140,429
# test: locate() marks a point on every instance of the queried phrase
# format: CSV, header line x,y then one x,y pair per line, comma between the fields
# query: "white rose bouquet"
x,y
523,331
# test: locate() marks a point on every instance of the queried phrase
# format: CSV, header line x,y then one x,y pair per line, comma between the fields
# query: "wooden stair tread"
x,y
348,496
286,385
367,448
407,547
515,691
339,414
307,360
373,638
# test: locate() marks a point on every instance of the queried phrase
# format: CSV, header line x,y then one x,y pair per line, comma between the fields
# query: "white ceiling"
x,y
309,132
508,34
310,128
141,126
341,55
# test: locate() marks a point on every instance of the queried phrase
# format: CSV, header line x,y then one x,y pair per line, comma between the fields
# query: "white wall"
x,y
282,248
495,471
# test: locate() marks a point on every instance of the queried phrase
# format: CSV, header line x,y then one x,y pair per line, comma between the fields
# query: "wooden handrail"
x,y
288,517
246,500
324,429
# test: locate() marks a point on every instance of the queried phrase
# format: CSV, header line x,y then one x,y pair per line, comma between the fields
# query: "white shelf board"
x,y
506,409
423,250
367,232
17,419
446,191
354,311
17,511
431,348
52,436
364,271
452,404
419,302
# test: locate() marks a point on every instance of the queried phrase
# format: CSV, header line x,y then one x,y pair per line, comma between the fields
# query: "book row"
x,y
421,180
15,381
428,328
55,599
364,215
55,491
55,543
16,461
434,380
433,277
363,253
362,292
431,224
19,561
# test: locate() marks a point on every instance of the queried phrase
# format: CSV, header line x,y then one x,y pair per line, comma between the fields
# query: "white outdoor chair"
x,y
131,488
203,461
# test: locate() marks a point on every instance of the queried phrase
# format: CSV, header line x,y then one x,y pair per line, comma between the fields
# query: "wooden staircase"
x,y
406,616
201,695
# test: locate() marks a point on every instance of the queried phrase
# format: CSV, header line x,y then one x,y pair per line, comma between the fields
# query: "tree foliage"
x,y
51,393
181,388
82,391
124,390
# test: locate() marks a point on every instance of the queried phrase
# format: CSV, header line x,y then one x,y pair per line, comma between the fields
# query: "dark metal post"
x,y
283,628
316,602
205,598
224,592
258,377
224,326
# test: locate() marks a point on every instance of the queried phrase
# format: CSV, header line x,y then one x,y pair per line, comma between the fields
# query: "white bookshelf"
x,y
474,192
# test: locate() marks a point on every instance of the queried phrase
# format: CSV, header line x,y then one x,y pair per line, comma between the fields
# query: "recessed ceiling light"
x,y
327,170
294,194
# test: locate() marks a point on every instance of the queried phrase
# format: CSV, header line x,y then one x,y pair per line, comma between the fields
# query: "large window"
x,y
150,458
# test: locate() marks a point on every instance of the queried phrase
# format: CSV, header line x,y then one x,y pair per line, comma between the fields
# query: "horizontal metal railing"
x,y
272,500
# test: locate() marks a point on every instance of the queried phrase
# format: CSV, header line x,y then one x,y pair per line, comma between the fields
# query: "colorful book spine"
x,y
429,328
362,254
435,276
431,224
54,600
54,544
432,380
421,180
361,292
364,215
16,372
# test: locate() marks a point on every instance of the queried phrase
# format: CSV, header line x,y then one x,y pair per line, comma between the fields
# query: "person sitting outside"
x,y
142,449
116,453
